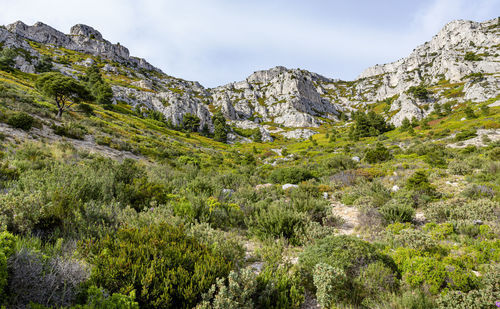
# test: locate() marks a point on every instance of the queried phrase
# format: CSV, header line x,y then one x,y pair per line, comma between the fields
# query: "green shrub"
x,y
279,286
330,283
98,299
396,212
471,56
425,271
290,175
21,121
339,163
71,130
465,134
347,259
376,280
414,239
375,191
419,92
7,245
370,124
411,299
377,154
483,297
347,253
278,220
419,182
165,267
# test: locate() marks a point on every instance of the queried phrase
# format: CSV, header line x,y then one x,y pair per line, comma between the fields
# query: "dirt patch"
x,y
350,216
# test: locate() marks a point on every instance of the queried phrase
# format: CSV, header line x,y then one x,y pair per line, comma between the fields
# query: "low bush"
x,y
71,130
465,135
463,210
396,212
290,175
350,255
99,299
278,220
165,267
377,154
21,121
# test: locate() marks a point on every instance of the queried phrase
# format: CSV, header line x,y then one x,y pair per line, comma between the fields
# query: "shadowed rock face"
x,y
279,97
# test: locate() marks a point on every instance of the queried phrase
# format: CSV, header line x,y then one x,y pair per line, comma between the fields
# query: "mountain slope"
x,y
461,63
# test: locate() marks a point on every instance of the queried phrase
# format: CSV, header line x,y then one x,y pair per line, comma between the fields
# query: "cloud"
x,y
220,41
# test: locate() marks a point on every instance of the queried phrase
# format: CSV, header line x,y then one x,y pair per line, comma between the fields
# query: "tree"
x,y
220,127
101,90
190,122
469,113
257,136
65,90
44,64
370,124
405,125
7,56
419,92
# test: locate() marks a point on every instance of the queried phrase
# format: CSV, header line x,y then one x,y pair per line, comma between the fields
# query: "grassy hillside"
x,y
107,205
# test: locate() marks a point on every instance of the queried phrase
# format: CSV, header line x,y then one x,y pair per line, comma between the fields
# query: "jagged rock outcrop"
x,y
82,38
407,107
279,95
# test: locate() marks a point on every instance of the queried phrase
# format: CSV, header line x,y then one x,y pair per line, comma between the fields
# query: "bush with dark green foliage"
x,y
396,212
7,62
7,247
44,64
100,89
71,130
370,124
99,299
339,163
465,135
165,267
471,56
377,154
419,92
350,256
21,121
278,220
290,175
190,122
419,182
220,127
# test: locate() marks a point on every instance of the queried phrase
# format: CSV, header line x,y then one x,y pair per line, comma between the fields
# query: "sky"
x,y
217,42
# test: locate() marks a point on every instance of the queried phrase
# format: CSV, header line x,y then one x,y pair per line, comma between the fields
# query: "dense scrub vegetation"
x,y
150,217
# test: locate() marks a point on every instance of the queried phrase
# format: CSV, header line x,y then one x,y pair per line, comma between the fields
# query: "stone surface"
x,y
289,186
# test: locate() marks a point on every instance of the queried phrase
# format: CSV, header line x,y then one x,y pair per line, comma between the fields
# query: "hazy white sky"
x,y
220,41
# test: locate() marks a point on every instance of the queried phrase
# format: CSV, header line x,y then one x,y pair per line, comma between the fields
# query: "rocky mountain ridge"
x,y
461,63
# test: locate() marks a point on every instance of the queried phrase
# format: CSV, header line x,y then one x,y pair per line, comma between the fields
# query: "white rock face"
x,y
408,108
279,95
299,134
82,38
289,186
